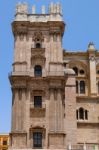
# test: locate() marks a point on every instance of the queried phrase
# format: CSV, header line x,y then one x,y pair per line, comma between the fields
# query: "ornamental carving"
x,y
92,58
38,36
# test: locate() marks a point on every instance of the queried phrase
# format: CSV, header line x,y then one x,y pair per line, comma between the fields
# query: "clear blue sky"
x,y
82,19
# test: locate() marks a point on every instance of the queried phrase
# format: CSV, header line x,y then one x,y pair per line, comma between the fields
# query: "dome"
x,y
69,71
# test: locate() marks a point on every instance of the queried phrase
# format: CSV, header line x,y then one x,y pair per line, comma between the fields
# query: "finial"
x,y
55,8
33,9
51,7
43,9
59,8
22,8
91,46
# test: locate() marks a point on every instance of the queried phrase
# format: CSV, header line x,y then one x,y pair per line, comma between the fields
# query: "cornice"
x,y
22,27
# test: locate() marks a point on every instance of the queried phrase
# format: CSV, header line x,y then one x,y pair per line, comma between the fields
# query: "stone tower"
x,y
43,109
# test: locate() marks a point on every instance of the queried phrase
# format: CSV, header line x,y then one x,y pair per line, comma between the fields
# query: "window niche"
x,y
75,70
37,140
38,39
77,87
5,142
37,135
82,72
82,87
37,101
82,114
38,71
98,87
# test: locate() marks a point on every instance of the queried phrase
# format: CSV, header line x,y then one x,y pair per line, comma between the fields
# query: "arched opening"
x,y
76,86
98,72
86,114
76,70
81,113
82,87
77,114
38,45
38,71
82,72
98,87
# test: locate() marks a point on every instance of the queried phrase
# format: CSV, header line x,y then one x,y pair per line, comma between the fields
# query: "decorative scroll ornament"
x,y
38,36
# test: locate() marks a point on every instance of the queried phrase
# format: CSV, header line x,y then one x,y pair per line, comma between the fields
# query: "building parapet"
x,y
54,13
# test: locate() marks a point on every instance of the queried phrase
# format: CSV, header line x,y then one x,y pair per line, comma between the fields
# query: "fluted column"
x,y
51,48
27,116
13,110
23,106
16,111
59,110
52,111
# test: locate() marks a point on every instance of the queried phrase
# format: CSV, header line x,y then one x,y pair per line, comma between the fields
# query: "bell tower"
x,y
37,78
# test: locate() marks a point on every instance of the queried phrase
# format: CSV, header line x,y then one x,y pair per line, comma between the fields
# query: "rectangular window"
x,y
37,140
37,101
4,142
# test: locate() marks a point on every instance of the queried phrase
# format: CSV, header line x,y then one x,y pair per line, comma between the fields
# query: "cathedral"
x,y
55,92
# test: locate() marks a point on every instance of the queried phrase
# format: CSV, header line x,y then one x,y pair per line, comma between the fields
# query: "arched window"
x,y
82,87
86,114
98,87
38,71
77,114
81,113
98,72
76,70
38,45
76,86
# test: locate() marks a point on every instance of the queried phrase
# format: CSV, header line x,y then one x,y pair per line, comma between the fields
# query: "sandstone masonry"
x,y
55,103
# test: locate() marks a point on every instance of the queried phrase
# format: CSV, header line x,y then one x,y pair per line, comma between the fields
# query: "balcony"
x,y
37,112
38,107
38,52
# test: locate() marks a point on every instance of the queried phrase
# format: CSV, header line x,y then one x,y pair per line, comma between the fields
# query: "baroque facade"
x,y
55,103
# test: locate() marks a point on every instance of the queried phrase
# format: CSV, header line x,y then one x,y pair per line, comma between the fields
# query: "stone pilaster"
x,y
59,111
92,69
70,123
52,114
13,110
